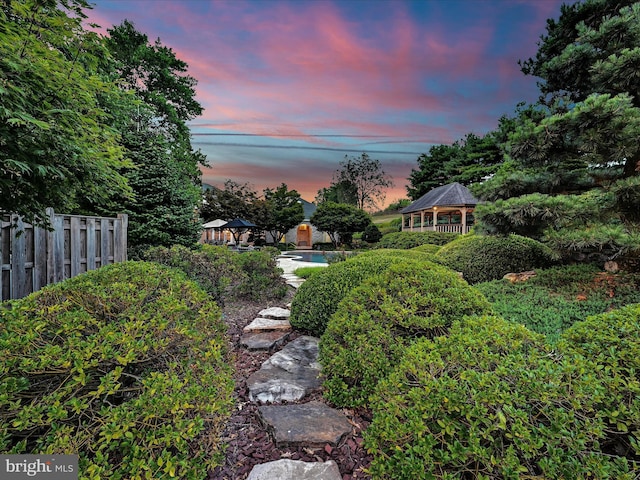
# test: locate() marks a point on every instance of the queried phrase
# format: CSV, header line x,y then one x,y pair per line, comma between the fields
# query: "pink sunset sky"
x,y
291,87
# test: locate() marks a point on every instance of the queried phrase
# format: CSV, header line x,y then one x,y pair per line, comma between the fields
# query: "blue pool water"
x,y
313,257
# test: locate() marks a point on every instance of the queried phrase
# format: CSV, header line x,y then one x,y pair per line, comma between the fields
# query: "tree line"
x,y
565,169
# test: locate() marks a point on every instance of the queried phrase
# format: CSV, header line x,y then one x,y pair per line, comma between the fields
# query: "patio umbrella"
x,y
237,227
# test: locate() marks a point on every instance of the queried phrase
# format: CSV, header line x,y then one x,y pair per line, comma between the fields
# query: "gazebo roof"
x,y
239,223
214,223
451,195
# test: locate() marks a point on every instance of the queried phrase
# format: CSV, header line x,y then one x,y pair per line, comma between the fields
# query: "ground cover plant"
x,y
490,400
318,297
558,297
481,258
306,272
126,366
378,320
414,239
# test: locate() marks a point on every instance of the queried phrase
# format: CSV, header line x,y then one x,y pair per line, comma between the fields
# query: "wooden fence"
x,y
32,257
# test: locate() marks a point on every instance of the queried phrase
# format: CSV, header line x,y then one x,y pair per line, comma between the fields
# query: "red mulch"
x,y
248,442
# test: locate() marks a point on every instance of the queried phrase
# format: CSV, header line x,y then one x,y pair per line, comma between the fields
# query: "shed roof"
x,y
451,195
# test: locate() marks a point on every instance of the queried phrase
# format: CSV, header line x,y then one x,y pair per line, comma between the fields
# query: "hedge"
x,y
489,401
483,258
126,366
318,297
375,323
408,240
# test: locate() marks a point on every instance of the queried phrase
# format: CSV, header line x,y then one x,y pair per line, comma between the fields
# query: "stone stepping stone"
x,y
267,324
264,340
293,280
277,313
312,424
288,375
295,470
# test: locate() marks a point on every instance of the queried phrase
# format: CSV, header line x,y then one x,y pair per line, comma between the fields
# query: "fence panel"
x,y
32,257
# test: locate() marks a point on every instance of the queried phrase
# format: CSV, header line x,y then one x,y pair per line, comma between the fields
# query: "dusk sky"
x,y
291,87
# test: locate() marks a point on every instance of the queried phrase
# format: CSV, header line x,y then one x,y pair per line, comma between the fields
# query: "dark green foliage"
x,y
57,146
318,297
126,366
558,297
483,258
489,401
413,239
225,274
375,322
371,234
211,267
263,278
340,221
612,341
283,211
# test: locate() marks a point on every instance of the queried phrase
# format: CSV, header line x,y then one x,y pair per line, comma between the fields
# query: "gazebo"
x,y
448,208
214,233
237,227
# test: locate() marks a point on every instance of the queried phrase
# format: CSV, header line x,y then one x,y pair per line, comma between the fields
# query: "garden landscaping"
x,y
423,375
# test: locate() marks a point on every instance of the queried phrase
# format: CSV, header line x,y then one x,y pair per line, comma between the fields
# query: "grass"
x,y
306,272
385,218
557,298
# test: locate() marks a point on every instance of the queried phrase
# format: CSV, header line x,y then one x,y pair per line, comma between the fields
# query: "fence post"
x,y
120,238
18,257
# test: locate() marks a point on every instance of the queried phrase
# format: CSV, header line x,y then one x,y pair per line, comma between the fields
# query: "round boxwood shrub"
x,y
318,297
375,323
413,239
612,341
126,366
483,258
488,401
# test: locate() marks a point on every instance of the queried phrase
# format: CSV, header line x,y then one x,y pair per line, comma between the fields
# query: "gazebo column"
x,y
421,220
435,219
463,211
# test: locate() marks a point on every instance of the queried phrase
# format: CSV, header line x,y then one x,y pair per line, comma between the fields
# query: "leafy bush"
x,y
558,297
612,341
489,401
413,239
318,297
223,273
482,258
212,267
375,323
371,234
263,278
125,365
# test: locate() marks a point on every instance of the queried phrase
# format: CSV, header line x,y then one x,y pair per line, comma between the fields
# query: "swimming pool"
x,y
313,257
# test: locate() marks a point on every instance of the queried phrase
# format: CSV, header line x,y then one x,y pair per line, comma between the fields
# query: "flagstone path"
x,y
285,391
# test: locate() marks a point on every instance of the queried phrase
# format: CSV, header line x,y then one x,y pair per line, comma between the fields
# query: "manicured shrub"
x,y
482,258
126,366
225,274
375,322
556,298
212,267
413,239
612,341
489,401
318,297
262,279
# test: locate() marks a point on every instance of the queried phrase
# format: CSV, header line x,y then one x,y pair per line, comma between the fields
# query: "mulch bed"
x,y
248,443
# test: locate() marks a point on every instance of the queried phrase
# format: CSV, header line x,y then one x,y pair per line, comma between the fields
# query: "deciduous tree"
x,y
365,177
340,221
283,211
